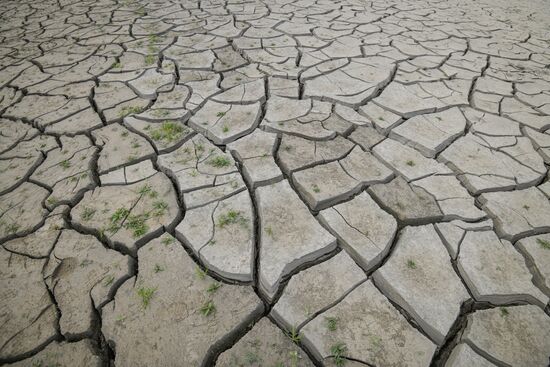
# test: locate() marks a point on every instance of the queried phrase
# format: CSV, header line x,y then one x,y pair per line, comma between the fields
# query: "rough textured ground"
x,y
275,183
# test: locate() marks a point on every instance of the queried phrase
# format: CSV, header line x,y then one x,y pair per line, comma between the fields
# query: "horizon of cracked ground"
x,y
274,183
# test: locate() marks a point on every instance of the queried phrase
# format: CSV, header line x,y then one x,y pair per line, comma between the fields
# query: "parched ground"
x,y
274,183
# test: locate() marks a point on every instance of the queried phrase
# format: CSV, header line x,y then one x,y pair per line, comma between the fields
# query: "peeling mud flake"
x,y
264,345
290,236
173,312
29,318
128,215
81,274
369,329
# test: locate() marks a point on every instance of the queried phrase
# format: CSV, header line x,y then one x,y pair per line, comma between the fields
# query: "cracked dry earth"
x,y
275,183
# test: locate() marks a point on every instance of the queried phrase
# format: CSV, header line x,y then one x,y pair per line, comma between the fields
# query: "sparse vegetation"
x,y
168,131
161,112
158,268
146,295
219,161
252,358
295,335
12,228
160,208
504,312
52,200
147,190
85,262
120,319
410,163
220,114
213,287
293,358
269,231
130,110
136,224
65,164
208,308
315,188
87,213
337,352
117,218
201,274
168,240
232,217
543,243
411,264
150,59
331,323
109,279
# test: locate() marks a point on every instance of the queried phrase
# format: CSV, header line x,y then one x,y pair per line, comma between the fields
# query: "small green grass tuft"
x,y
208,308
293,354
150,59
51,200
168,240
136,224
543,243
160,208
145,189
158,268
225,128
232,217
65,164
213,287
146,295
410,163
337,351
504,312
120,319
118,216
331,323
169,131
108,280
220,114
130,110
269,231
411,264
201,274
87,214
316,188
219,161
295,335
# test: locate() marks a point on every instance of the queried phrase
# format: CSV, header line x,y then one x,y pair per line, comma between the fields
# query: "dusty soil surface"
x,y
275,183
